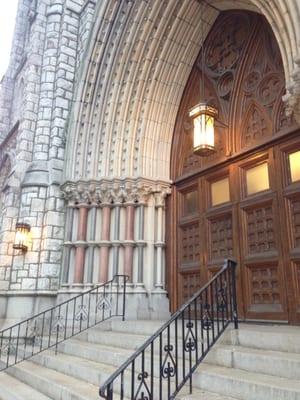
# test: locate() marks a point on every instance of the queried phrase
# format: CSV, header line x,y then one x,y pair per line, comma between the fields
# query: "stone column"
x,y
81,244
129,240
149,254
140,243
160,239
68,241
105,243
159,244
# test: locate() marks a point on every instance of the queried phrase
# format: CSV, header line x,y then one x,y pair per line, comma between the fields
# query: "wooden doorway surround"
x,y
243,201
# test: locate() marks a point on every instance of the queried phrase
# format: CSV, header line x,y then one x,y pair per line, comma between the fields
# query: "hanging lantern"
x,y
22,236
204,116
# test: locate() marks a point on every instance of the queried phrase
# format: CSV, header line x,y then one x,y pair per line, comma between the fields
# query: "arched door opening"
x,y
244,200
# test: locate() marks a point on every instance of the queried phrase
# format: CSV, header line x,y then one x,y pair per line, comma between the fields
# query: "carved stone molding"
x,y
114,191
292,96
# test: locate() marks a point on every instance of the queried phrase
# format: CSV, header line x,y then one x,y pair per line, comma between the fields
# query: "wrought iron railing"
x,y
162,366
63,321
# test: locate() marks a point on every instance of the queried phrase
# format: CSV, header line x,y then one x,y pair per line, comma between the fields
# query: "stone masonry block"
x,y
43,284
49,270
37,205
28,283
33,271
55,218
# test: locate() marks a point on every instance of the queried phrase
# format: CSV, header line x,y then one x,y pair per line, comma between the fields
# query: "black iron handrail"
x,y
50,327
167,360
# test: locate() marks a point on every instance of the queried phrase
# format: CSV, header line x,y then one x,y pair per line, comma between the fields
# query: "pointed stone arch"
x,y
137,65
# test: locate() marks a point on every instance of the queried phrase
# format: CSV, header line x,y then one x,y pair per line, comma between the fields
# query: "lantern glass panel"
x,y
204,132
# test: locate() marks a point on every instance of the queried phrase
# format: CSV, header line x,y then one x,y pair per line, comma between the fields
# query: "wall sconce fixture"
x,y
22,236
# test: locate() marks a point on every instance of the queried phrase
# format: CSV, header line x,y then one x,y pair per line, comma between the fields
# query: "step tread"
x,y
14,389
199,394
99,346
260,352
137,326
113,335
84,389
251,377
74,360
270,328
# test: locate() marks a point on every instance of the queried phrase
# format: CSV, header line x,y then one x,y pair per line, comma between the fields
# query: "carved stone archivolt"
x,y
292,96
114,191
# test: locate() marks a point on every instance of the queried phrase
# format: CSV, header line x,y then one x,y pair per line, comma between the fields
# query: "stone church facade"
x,y
88,109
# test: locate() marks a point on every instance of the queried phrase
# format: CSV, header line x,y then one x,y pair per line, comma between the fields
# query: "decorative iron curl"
x,y
190,339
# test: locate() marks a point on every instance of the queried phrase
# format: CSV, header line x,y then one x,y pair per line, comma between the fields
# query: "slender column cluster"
x,y
110,237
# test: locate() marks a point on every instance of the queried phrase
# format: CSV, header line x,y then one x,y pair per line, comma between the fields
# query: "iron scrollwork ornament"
x,y
190,339
8,347
222,297
168,368
207,320
81,314
143,392
35,335
58,325
104,303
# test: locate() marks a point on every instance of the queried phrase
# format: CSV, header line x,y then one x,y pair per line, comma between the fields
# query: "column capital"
x,y
117,191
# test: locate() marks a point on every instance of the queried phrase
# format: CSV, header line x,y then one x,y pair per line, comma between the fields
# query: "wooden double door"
x,y
248,209
243,201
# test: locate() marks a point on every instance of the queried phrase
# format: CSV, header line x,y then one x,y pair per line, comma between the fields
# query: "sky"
x,y
7,24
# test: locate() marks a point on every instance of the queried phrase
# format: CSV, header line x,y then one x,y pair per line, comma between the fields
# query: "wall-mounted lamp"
x,y
22,236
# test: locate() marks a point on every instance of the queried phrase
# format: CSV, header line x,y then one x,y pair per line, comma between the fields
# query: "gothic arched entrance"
x,y
244,200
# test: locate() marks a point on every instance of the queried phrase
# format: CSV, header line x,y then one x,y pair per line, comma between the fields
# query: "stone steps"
x,y
76,367
14,389
239,367
245,385
277,363
270,337
199,394
55,385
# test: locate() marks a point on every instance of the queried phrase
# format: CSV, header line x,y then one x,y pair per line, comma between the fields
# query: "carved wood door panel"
x,y
234,212
288,159
261,250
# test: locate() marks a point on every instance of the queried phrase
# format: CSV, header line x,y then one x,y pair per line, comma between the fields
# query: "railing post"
x,y
233,265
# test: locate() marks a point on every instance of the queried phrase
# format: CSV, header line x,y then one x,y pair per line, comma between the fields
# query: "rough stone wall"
x,y
35,99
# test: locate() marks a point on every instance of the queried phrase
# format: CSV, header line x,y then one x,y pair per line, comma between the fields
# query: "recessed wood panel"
x,y
190,285
264,289
295,220
190,243
190,202
221,237
260,234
